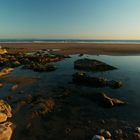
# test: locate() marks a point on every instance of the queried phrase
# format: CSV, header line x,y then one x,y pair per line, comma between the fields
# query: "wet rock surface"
x,y
5,111
86,80
41,67
5,71
38,61
93,65
6,131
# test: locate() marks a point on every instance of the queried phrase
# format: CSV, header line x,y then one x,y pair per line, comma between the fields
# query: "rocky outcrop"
x,y
5,127
5,111
93,65
5,71
107,101
86,80
37,61
6,131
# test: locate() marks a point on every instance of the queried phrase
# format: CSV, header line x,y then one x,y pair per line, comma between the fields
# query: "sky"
x,y
70,19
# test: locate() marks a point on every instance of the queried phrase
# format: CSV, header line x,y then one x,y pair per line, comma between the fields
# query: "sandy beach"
x,y
76,48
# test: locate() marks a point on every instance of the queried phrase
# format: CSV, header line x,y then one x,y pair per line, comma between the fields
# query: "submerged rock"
x,y
107,101
43,106
5,71
84,79
93,65
5,111
41,68
6,131
14,87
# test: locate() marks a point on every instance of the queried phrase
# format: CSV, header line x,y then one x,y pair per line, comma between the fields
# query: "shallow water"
x,y
128,72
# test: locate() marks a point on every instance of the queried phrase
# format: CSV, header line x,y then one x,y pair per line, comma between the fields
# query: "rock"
x,y
5,111
105,133
43,106
115,84
91,64
3,117
137,129
81,54
118,132
41,67
2,51
110,102
86,80
136,136
14,87
15,64
1,85
6,131
5,71
98,137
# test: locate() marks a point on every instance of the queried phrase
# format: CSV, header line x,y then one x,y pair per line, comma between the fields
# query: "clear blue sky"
x,y
89,19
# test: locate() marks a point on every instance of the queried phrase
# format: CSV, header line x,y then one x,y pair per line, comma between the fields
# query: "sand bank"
x,y
76,48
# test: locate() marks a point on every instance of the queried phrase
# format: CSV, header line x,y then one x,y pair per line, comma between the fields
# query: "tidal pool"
x,y
128,72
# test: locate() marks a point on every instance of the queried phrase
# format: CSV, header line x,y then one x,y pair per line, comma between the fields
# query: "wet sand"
x,y
76,48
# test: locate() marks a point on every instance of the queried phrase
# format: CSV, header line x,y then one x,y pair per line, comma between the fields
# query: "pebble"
x,y
1,85
138,129
14,87
105,133
119,132
98,137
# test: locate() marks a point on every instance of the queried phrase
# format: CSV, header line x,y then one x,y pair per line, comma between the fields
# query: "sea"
x,y
68,41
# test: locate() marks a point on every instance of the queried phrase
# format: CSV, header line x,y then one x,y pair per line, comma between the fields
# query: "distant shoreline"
x,y
76,48
86,41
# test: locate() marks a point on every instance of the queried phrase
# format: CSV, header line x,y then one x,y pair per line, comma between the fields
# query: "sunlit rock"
x,y
5,71
6,131
5,111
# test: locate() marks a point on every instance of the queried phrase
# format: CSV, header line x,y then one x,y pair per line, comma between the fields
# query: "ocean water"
x,y
68,41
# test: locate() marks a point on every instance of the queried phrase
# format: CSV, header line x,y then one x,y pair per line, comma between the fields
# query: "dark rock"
x,y
81,54
84,79
43,106
93,65
41,68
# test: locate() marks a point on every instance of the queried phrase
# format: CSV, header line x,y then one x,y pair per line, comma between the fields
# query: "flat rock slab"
x,y
92,65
